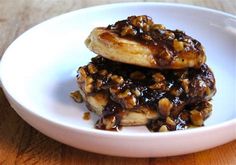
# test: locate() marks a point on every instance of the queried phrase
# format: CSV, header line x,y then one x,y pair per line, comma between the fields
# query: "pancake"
x,y
138,41
123,95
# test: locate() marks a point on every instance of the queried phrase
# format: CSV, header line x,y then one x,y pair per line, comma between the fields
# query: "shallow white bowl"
x,y
38,73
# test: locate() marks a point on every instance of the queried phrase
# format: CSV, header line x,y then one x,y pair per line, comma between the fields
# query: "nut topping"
x,y
88,80
76,95
130,102
162,42
185,85
158,86
109,122
117,79
92,69
124,94
164,106
169,121
169,35
88,88
196,117
136,92
142,21
176,92
178,45
158,27
163,92
158,77
99,83
82,72
114,90
163,128
128,30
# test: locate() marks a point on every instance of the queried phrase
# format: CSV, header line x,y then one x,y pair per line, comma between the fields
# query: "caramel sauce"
x,y
158,36
147,96
159,40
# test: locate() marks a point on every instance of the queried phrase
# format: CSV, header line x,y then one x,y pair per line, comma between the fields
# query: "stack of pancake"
x,y
146,74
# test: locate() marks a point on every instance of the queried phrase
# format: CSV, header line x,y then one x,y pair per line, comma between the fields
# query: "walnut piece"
x,y
178,45
76,95
158,27
164,106
117,79
163,128
196,118
158,77
92,69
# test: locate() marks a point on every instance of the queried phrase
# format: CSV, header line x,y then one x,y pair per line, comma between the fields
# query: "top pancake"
x,y
138,41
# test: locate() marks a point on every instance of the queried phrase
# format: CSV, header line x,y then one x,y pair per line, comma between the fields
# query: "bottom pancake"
x,y
164,100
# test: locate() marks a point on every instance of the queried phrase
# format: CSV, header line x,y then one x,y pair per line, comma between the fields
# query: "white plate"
x,y
38,73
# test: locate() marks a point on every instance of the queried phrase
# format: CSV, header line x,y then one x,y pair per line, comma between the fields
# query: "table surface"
x,y
22,144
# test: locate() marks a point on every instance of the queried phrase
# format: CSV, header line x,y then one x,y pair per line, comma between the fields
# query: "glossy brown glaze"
x,y
128,87
165,44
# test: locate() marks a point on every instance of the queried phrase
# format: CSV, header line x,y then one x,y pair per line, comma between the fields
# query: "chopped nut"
x,y
142,22
86,116
184,116
187,40
158,77
178,45
136,92
128,30
196,118
80,79
130,102
149,21
170,121
92,69
140,19
124,94
146,28
163,128
117,79
109,122
206,110
88,88
164,106
114,90
137,75
165,56
158,27
82,72
109,75
88,80
185,85
169,35
159,86
176,92
76,95
99,83
103,72
208,91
